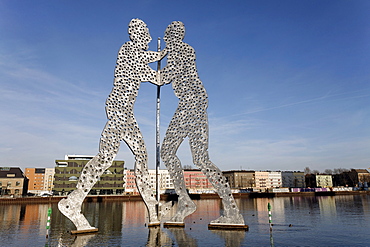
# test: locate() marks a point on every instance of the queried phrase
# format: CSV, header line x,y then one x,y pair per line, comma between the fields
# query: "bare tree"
x,y
307,170
315,171
328,171
340,170
188,167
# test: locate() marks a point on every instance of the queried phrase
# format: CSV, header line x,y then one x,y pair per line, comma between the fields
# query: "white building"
x,y
165,182
267,179
261,179
324,181
274,179
49,179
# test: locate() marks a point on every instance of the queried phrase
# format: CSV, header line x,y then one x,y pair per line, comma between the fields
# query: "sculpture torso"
x,y
185,80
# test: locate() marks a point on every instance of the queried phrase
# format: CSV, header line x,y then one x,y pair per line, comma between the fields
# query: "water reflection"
x,y
331,221
231,238
81,240
182,238
157,237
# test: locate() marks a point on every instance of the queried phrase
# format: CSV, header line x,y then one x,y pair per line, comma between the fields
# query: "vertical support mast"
x,y
157,128
270,215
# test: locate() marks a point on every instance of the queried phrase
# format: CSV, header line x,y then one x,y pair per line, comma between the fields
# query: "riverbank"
x,y
166,197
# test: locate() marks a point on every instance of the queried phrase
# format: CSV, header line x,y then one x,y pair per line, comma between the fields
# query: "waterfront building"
x,y
324,180
129,182
240,179
49,179
267,179
344,179
261,180
13,182
197,182
274,179
352,178
360,177
40,180
165,182
293,179
68,171
319,180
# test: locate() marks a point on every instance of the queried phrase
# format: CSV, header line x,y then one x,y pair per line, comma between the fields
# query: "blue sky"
x,y
288,81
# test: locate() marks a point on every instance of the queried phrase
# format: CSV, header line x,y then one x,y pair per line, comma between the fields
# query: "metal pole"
x,y
270,215
48,223
157,128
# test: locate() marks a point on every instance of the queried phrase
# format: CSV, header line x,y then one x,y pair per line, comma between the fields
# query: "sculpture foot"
x,y
183,210
72,210
236,219
165,208
152,211
154,223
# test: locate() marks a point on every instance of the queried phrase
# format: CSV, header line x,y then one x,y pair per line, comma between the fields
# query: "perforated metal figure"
x,y
190,120
131,69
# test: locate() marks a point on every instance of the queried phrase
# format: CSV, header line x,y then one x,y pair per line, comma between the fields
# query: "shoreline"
x,y
168,197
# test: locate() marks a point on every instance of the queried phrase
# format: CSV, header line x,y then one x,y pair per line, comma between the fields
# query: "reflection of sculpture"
x,y
182,238
131,69
156,237
190,120
232,238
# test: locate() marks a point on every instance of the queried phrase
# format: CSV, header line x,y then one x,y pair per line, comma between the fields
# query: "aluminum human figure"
x,y
131,69
190,120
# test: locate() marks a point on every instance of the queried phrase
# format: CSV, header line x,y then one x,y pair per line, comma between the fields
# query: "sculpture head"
x,y
174,32
139,33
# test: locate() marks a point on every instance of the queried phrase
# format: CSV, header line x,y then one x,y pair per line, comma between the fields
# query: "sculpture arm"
x,y
151,76
166,75
154,56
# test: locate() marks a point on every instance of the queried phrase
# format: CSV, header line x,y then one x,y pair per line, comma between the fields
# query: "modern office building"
x,y
13,182
68,171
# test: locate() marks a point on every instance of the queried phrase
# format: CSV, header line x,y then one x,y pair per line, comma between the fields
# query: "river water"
x,y
297,221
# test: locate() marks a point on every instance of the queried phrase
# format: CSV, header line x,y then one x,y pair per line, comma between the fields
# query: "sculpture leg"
x,y
71,206
231,215
185,205
145,188
136,143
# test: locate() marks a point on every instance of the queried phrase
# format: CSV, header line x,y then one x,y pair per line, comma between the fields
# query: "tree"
x,y
307,170
340,170
315,172
328,171
187,167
